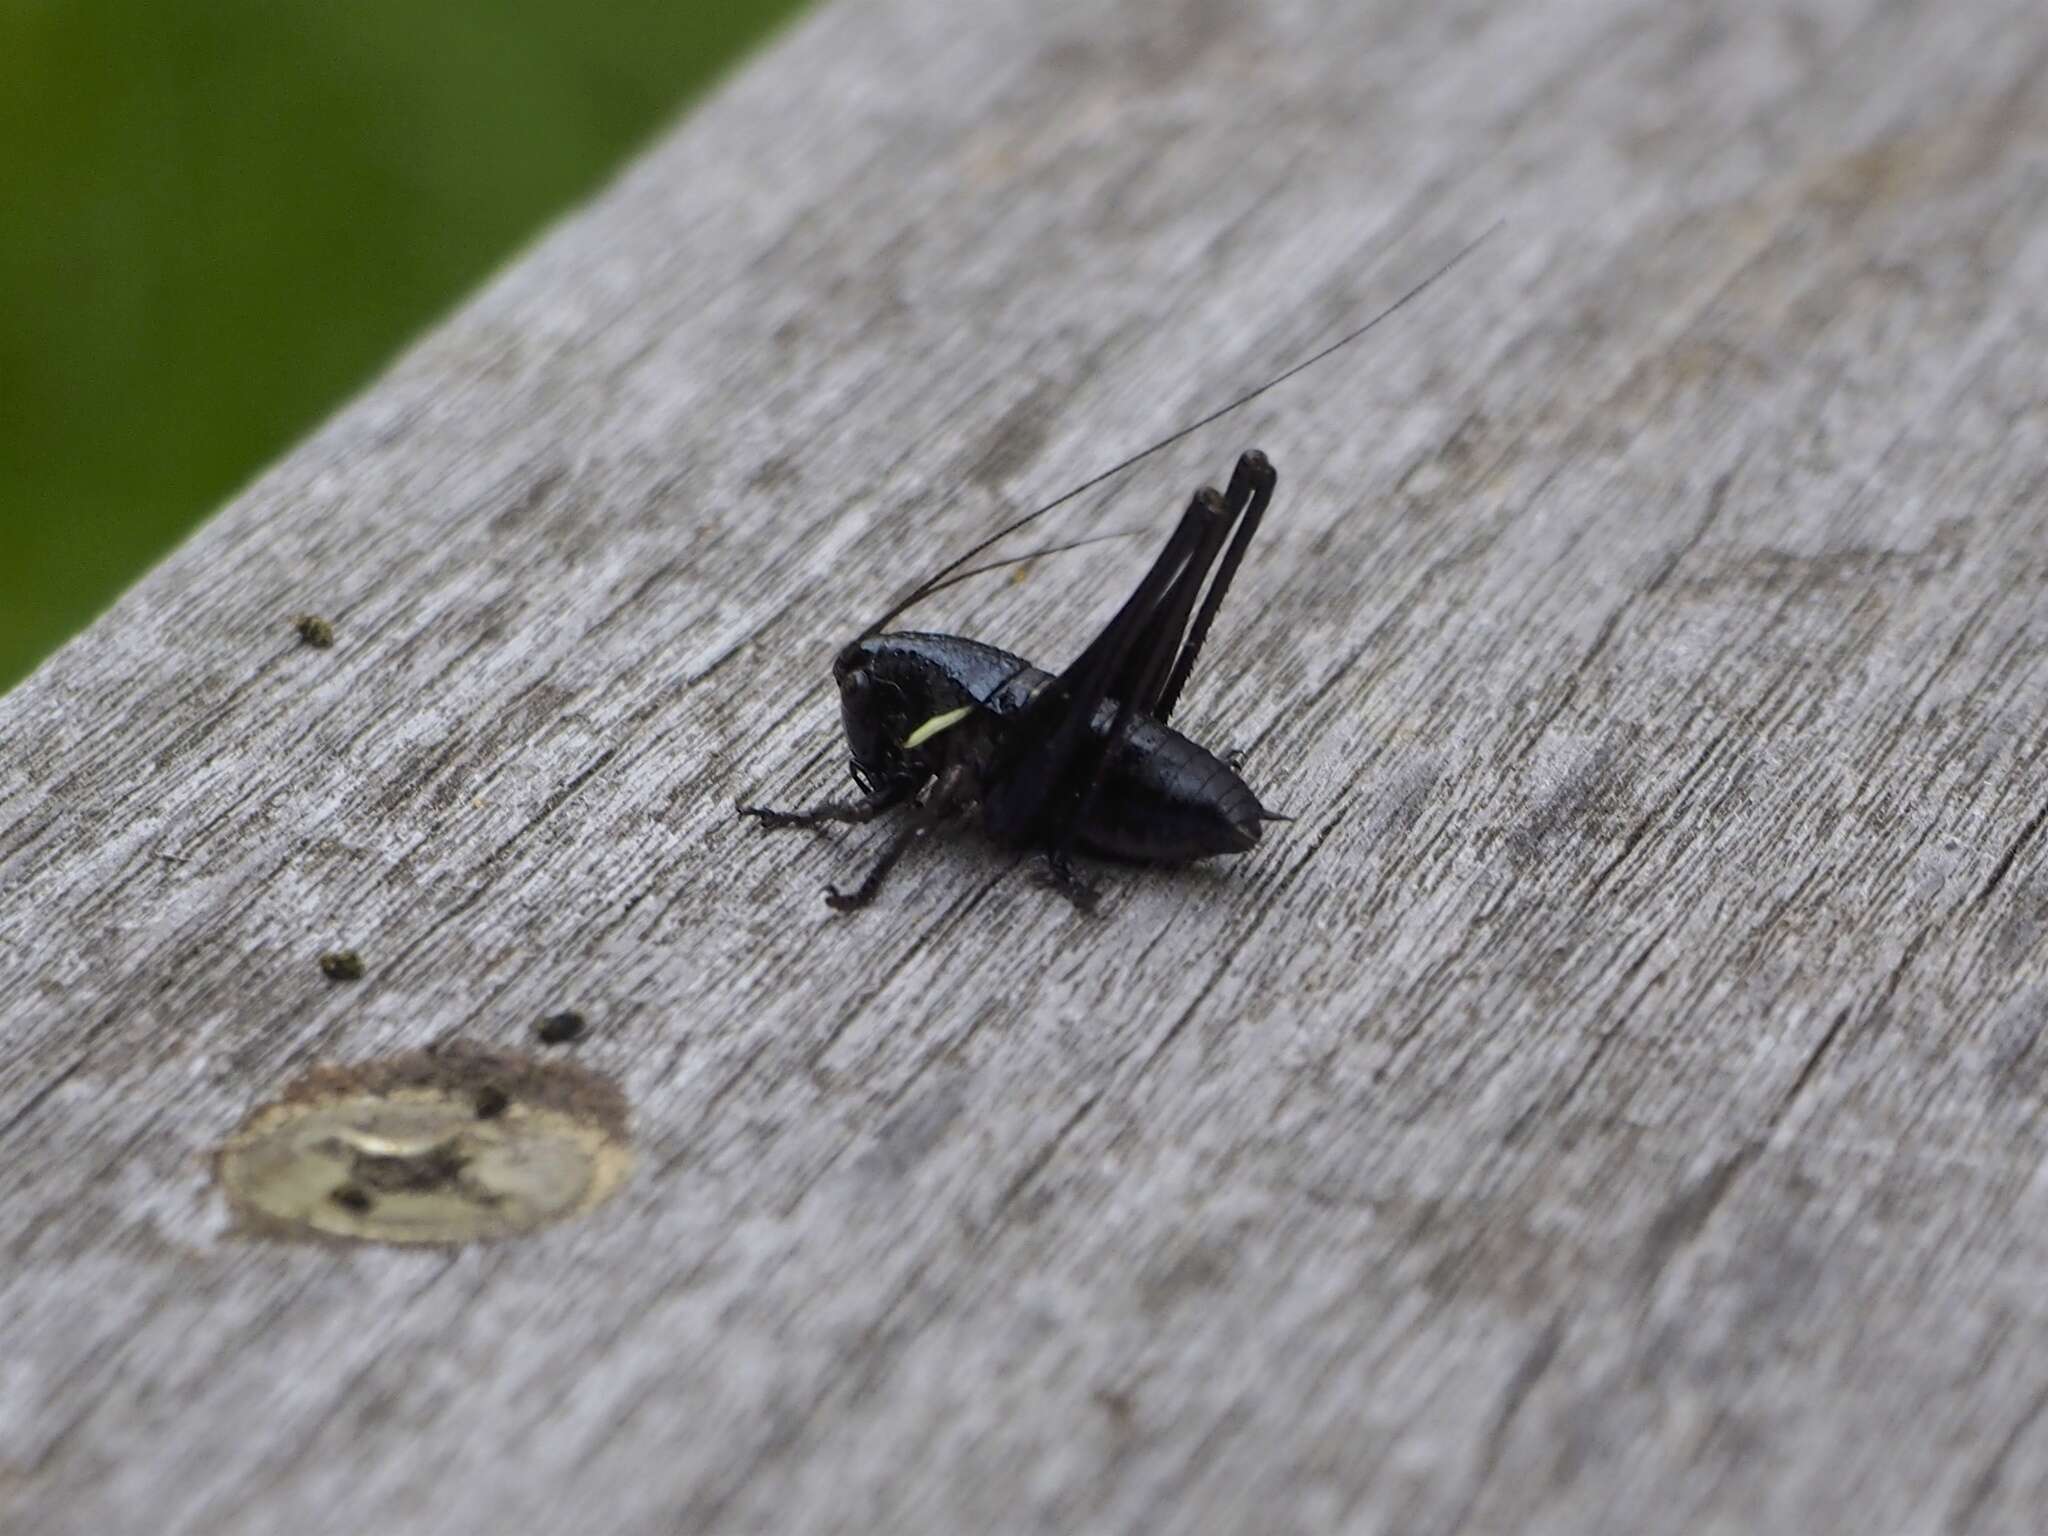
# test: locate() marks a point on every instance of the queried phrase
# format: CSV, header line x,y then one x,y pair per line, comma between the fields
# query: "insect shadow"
x,y
1082,760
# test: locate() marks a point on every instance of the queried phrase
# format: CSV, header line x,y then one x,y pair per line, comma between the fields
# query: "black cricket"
x,y
1085,759
1082,760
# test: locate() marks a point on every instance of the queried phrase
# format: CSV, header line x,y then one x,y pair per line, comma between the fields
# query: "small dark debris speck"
x,y
491,1102
1117,1404
314,630
341,965
560,1028
351,1198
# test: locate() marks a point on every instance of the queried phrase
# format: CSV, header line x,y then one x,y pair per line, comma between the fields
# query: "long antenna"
x,y
940,584
925,588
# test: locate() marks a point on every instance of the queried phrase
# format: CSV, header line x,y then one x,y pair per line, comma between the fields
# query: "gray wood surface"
x,y
1615,1104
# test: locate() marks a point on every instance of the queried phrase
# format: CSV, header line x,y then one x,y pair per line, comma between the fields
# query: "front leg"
x,y
867,808
952,797
862,894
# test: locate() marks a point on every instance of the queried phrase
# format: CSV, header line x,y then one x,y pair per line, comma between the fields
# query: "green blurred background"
x,y
218,217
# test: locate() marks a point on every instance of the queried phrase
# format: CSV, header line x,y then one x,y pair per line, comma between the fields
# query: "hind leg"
x,y
1058,873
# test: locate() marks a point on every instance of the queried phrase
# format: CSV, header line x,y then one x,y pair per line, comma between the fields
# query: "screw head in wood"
x,y
447,1146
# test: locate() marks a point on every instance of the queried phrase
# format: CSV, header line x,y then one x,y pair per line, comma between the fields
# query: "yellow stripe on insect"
x,y
936,724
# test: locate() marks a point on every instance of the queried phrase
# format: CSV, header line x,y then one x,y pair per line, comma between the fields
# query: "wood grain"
x,y
1616,1103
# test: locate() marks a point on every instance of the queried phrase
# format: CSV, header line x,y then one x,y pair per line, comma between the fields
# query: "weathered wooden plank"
x,y
1616,1103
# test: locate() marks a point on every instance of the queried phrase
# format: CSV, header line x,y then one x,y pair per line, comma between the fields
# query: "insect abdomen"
x,y
1167,800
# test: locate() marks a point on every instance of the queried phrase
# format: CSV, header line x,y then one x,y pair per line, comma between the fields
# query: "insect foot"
x,y
770,820
1057,874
